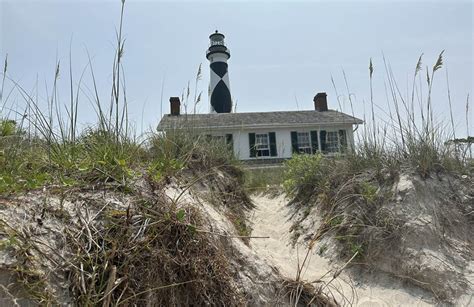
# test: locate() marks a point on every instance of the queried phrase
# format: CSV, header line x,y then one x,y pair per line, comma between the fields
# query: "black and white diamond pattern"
x,y
221,100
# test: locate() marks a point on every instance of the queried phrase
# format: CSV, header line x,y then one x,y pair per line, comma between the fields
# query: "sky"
x,y
282,52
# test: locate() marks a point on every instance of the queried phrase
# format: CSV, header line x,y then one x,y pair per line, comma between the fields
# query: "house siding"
x,y
241,144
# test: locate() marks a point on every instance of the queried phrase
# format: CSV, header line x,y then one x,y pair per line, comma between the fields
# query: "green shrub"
x,y
305,172
8,128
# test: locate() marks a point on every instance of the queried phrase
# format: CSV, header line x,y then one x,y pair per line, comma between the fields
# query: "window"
x,y
304,142
332,141
262,145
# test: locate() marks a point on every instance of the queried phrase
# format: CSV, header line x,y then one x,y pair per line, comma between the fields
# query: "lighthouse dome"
x,y
216,36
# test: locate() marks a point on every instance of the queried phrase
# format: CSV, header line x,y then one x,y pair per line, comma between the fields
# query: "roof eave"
x,y
262,126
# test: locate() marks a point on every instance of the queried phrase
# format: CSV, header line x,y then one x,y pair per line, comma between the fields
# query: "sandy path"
x,y
270,218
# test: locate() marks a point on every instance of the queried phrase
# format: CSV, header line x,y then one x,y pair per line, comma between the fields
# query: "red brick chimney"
x,y
175,106
320,102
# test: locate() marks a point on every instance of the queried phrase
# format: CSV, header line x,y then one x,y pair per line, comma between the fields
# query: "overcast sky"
x,y
282,52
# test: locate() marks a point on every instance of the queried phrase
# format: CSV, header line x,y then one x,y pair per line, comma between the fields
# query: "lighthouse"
x,y
219,89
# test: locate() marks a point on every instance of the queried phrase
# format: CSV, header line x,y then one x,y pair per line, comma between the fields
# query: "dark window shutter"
x,y
273,145
294,142
314,141
253,152
322,136
229,140
343,140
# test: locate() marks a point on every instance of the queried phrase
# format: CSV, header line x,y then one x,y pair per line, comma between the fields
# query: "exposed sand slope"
x,y
43,225
270,218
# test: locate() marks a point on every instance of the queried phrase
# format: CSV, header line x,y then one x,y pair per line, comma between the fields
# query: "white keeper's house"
x,y
262,135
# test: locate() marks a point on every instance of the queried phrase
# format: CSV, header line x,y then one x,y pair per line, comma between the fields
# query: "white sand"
x,y
270,218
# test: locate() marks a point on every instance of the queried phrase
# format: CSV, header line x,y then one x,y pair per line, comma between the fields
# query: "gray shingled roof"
x,y
257,119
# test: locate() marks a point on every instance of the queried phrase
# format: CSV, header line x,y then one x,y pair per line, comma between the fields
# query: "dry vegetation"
x,y
109,248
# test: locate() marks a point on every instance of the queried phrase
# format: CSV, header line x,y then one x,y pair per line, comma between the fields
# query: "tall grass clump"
x,y
44,146
411,137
